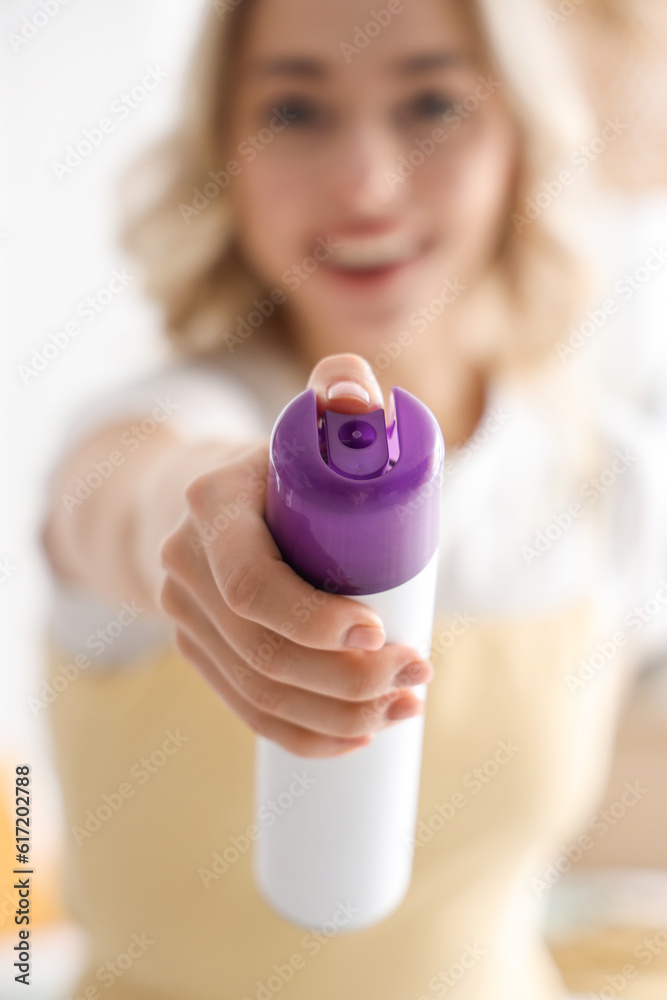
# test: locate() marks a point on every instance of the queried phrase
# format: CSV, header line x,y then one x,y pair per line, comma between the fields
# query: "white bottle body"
x,y
335,833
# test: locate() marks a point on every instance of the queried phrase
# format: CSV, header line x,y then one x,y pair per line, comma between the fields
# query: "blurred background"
x,y
67,66
57,248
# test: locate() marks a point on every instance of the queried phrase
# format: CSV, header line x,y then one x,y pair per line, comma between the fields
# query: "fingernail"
x,y
348,745
403,708
415,673
352,390
364,637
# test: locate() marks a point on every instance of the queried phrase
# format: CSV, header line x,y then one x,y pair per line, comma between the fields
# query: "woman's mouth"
x,y
372,262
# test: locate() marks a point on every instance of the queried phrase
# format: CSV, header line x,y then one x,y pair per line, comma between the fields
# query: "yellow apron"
x,y
157,775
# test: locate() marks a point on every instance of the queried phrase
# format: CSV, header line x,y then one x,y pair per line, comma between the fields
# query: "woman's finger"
x,y
295,739
256,584
325,715
345,383
351,676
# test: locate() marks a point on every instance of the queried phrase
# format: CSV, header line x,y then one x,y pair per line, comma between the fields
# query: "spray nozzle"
x,y
356,446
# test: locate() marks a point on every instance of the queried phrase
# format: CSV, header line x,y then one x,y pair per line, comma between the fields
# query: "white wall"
x,y
57,248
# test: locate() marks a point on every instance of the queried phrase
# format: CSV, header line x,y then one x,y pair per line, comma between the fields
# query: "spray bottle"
x,y
353,504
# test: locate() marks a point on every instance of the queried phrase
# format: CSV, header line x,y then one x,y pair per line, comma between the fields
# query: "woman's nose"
x,y
362,171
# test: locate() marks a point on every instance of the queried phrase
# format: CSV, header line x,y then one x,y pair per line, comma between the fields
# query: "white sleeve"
x,y
525,531
626,356
632,499
200,401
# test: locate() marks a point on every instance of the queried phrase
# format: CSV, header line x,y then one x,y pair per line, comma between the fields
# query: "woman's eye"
x,y
300,112
430,105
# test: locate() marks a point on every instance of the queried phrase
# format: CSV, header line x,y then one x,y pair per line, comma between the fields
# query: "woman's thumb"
x,y
345,383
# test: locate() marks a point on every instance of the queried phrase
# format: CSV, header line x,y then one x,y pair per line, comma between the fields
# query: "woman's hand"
x,y
307,669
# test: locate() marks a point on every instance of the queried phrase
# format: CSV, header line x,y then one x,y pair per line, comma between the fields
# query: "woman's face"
x,y
376,159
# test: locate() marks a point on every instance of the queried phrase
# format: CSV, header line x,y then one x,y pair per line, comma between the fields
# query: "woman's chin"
x,y
370,326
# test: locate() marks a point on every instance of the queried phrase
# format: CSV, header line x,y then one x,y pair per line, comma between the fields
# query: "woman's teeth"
x,y
371,252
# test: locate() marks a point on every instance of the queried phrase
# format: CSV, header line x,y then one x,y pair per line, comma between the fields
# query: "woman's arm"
x,y
111,539
180,528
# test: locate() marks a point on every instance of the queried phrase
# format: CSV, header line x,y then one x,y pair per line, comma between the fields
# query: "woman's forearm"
x,y
108,537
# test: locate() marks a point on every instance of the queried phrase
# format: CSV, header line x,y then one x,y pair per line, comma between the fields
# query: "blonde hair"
x,y
621,46
189,263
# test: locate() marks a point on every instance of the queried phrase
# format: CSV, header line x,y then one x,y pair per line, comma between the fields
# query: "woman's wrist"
x,y
161,502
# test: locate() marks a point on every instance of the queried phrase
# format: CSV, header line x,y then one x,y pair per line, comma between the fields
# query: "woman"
x,y
353,199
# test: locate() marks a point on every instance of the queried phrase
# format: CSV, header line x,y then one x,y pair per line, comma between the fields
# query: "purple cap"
x,y
354,506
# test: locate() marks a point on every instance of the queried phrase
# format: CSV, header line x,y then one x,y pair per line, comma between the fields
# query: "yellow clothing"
x,y
470,923
630,962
